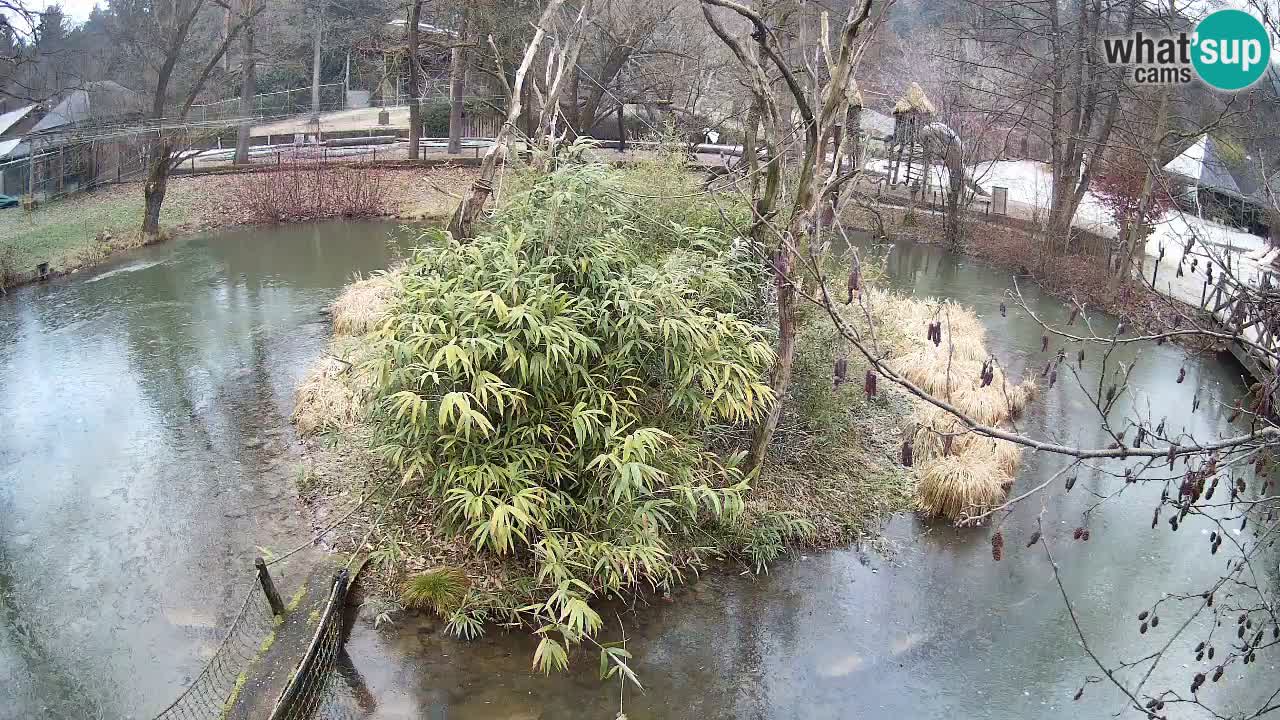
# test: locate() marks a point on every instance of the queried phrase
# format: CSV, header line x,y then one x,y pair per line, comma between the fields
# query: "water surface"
x,y
144,456
933,629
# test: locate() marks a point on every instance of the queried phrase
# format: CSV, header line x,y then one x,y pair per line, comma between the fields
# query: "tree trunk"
x,y
530,119
462,224
415,110
315,61
1135,237
622,128
569,107
955,191
248,87
1061,214
457,87
786,360
749,155
154,188
853,136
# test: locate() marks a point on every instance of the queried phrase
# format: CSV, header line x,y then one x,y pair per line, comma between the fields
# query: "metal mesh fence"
x,y
283,103
63,167
315,690
216,690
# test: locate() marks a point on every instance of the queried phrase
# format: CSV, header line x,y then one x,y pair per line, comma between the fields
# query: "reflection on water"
x,y
936,629
144,454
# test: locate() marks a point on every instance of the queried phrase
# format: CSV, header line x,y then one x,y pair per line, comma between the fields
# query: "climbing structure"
x,y
911,115
918,141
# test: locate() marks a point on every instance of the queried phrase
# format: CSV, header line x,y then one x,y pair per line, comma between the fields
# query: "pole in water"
x,y
269,587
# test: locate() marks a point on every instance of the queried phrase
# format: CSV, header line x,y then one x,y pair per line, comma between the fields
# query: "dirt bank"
x,y
87,229
1071,277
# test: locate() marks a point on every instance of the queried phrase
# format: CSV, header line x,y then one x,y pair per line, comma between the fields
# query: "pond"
x,y
934,628
145,455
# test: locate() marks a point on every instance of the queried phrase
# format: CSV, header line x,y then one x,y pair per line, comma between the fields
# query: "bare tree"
x,y
797,227
1138,449
462,223
1040,62
318,21
458,81
248,80
159,33
415,105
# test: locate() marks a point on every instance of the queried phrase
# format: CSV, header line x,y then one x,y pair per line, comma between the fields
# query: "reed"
x,y
961,486
961,473
363,304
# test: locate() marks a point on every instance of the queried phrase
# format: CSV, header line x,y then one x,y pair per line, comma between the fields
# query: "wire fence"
x,y
57,168
314,691
213,694
283,103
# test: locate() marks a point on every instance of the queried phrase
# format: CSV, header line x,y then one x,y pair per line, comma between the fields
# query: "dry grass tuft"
x,y
333,393
933,428
332,396
971,483
961,473
363,304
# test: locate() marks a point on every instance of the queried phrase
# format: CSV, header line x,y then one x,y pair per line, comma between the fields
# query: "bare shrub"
x,y
8,267
309,191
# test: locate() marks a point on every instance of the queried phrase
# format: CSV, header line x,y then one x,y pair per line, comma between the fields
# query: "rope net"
x,y
215,691
325,685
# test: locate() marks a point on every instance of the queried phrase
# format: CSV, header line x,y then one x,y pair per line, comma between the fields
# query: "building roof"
x,y
1257,191
96,100
9,149
424,26
1204,163
875,124
914,100
13,117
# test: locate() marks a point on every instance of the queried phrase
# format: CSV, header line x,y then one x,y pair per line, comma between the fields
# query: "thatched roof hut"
x,y
914,102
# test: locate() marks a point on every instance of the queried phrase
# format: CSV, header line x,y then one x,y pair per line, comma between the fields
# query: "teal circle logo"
x,y
1232,50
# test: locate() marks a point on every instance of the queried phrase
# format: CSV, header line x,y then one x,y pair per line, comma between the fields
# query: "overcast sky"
x,y
77,10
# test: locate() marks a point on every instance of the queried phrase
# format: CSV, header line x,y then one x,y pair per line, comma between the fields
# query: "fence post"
x,y
269,587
